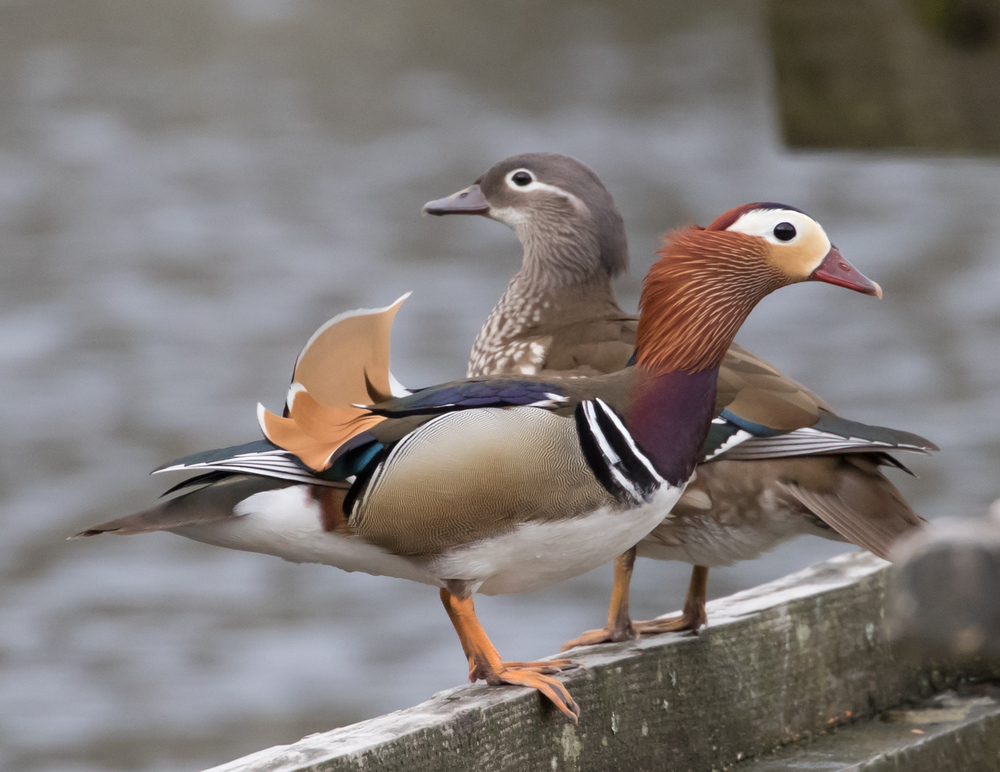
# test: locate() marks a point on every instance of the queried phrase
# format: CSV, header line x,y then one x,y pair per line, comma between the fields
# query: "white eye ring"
x,y
524,179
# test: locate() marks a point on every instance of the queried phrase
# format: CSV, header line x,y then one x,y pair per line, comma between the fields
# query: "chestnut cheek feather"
x,y
836,270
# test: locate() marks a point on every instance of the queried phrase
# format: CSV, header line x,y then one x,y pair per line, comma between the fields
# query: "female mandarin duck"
x,y
504,484
782,463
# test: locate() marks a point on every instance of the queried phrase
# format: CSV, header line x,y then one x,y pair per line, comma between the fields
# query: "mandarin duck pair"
x,y
576,436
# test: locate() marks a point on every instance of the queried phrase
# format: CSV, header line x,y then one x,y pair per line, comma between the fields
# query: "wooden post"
x,y
783,661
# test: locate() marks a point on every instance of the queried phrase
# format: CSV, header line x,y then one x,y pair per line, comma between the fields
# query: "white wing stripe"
x,y
301,476
739,438
243,461
774,449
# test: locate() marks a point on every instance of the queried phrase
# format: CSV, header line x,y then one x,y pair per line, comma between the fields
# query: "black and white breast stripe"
x,y
612,454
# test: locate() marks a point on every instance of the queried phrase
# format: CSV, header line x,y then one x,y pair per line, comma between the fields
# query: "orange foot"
x,y
690,620
485,662
547,667
547,685
615,634
694,615
621,628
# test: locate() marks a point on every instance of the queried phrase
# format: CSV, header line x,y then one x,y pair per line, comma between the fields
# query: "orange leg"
x,y
485,662
694,614
619,626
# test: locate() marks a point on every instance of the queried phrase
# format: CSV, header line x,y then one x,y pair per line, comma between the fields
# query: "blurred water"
x,y
188,188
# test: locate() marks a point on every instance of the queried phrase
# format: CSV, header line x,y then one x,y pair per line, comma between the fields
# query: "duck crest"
x,y
697,295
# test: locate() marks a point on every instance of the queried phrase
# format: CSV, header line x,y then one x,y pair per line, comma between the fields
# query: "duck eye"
x,y
784,231
522,179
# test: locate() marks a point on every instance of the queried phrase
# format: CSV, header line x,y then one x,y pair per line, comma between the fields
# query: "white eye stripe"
x,y
761,222
538,185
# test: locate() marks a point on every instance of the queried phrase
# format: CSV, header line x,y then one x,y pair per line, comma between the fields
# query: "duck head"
x,y
707,280
796,244
563,215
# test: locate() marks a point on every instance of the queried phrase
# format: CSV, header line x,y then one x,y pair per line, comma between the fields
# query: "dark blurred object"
x,y
971,25
945,595
880,74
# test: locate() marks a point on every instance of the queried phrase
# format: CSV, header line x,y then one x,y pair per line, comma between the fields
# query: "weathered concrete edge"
x,y
353,741
973,739
976,742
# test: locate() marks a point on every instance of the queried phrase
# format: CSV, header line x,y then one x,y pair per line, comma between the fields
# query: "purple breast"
x,y
669,418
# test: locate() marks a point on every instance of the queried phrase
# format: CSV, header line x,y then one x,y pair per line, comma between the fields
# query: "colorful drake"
x,y
504,484
782,463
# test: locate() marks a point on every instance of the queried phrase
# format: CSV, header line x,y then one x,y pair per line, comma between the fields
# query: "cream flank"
x,y
287,523
538,554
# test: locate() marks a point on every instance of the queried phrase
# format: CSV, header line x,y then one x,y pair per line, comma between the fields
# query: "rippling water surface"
x,y
189,188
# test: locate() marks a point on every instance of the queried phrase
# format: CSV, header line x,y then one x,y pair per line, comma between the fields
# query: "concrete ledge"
x,y
945,596
950,731
778,662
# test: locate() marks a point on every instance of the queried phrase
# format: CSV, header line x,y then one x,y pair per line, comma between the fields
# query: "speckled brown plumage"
x,y
579,329
742,505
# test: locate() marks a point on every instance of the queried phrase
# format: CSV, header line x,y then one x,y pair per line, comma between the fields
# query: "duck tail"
x,y
214,502
863,507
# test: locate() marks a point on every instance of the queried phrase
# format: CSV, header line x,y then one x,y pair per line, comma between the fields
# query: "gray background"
x,y
189,188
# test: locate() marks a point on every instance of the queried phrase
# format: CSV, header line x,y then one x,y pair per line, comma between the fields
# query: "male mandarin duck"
x,y
778,462
497,484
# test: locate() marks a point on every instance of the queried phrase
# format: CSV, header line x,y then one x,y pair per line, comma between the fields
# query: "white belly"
x,y
287,523
538,554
